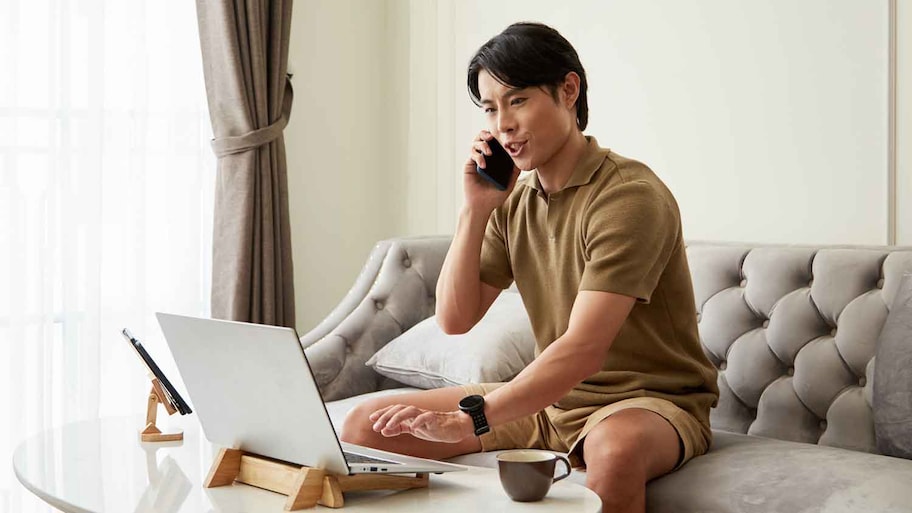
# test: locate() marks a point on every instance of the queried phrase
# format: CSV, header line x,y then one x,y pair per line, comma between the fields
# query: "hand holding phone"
x,y
499,166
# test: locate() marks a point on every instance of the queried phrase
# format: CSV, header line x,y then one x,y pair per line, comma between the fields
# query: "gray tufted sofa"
x,y
791,329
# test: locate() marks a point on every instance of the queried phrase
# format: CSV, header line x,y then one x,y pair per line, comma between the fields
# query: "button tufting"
x,y
699,317
790,371
378,305
723,365
823,425
833,332
743,283
862,381
880,283
766,323
811,283
407,263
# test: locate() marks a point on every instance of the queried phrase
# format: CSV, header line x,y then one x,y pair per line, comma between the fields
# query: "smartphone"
x,y
173,397
498,166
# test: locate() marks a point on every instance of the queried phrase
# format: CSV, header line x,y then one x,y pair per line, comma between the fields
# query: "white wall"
x,y
768,120
904,122
345,140
432,193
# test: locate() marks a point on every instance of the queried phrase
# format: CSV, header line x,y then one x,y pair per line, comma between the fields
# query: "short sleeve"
x,y
630,232
495,266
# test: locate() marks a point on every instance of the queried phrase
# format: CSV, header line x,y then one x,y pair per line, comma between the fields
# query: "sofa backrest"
x,y
793,332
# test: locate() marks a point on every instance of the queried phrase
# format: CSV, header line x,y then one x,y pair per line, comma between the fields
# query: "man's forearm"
x,y
545,381
595,321
459,285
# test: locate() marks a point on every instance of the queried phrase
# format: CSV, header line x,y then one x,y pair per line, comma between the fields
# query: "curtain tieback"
x,y
240,143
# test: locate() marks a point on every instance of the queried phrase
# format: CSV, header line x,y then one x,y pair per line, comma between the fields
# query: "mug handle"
x,y
566,463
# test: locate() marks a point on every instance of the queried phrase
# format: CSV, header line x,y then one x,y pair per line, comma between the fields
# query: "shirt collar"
x,y
590,162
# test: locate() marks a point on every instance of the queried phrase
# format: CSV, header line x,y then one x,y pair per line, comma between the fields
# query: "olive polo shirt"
x,y
615,227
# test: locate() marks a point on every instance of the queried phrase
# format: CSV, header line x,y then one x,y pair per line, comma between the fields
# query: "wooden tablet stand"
x,y
151,433
305,486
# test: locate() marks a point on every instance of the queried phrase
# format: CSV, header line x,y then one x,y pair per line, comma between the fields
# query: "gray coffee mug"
x,y
526,475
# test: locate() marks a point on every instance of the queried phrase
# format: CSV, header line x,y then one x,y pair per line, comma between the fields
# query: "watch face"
x,y
471,402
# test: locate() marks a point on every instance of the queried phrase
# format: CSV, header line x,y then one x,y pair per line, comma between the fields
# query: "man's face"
x,y
528,122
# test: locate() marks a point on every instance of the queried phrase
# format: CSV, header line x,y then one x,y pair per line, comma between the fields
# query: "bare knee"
x,y
618,475
623,453
617,462
357,427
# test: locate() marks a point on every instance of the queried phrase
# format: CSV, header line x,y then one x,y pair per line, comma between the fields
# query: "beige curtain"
x,y
245,59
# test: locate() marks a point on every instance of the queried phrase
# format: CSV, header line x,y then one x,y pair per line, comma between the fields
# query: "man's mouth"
x,y
515,148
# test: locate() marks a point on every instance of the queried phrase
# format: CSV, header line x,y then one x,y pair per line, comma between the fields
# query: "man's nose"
x,y
506,123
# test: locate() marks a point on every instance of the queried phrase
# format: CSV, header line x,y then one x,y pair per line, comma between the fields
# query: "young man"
x,y
593,241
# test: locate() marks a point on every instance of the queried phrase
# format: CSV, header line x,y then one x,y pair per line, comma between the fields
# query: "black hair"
x,y
529,55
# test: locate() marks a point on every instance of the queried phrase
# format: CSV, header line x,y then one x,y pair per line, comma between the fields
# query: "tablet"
x,y
173,397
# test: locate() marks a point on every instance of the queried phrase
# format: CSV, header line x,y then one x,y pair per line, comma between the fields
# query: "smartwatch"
x,y
473,405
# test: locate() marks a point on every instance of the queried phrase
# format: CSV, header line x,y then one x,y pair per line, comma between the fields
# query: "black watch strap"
x,y
481,423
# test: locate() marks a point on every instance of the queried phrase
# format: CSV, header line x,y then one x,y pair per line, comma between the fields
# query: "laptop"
x,y
253,390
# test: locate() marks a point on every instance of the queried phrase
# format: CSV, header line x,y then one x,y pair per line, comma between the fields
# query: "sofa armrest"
x,y
394,291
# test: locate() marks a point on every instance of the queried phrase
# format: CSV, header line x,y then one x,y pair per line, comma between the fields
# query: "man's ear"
x,y
570,89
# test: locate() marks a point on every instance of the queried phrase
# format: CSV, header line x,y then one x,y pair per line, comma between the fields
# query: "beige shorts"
x,y
537,431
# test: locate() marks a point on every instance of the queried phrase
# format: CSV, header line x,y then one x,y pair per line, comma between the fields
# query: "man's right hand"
x,y
481,195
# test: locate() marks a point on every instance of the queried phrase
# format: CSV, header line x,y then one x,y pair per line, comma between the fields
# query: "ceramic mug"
x,y
527,475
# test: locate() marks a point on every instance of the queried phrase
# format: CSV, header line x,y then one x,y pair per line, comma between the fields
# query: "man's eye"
x,y
517,101
488,110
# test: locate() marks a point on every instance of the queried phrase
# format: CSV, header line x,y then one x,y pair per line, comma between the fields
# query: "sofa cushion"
x,y
495,350
751,474
893,377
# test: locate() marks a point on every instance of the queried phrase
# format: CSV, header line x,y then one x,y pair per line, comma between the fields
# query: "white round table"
x,y
101,466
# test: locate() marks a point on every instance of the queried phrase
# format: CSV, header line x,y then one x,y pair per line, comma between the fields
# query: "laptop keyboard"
x,y
360,458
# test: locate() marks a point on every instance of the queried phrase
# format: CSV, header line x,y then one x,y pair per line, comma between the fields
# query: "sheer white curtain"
x,y
105,206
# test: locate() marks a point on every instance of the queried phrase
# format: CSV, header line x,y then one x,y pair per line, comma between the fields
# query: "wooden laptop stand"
x,y
305,486
151,433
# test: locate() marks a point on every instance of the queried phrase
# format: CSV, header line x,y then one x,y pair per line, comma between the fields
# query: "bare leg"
x,y
358,427
623,452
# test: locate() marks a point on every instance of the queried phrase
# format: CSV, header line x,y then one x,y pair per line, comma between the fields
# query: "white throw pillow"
x,y
493,351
